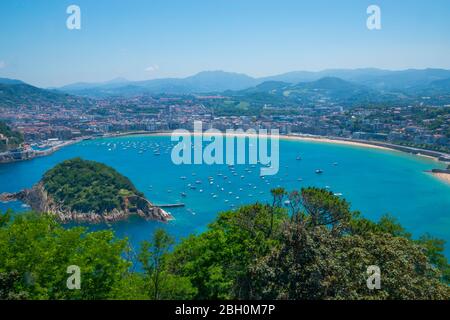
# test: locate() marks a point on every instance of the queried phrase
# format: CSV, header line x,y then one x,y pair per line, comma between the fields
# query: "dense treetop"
x,y
310,247
85,186
35,252
320,250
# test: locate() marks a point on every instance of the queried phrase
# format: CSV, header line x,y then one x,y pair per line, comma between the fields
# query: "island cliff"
x,y
77,190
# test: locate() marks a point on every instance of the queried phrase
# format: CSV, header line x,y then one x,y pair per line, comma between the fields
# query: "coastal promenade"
x,y
28,154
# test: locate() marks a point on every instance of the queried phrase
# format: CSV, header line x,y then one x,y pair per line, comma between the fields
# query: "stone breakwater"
x,y
39,200
12,156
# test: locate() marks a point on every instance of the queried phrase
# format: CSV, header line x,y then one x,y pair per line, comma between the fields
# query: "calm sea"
x,y
374,181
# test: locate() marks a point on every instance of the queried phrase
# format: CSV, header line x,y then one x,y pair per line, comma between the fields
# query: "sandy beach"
x,y
287,137
442,176
333,141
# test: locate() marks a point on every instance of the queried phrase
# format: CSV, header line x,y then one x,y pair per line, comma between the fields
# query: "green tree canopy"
x,y
312,247
35,252
321,252
86,186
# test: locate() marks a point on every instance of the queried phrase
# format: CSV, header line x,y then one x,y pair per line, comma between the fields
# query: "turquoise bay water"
x,y
374,181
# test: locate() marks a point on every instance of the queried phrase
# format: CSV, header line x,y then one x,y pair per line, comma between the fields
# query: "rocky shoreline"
x,y
39,200
28,154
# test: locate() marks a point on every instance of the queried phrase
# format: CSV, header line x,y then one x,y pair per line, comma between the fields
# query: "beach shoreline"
x,y
310,138
287,137
321,139
436,156
443,176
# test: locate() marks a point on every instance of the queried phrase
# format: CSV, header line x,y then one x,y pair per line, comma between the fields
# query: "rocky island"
x,y
79,190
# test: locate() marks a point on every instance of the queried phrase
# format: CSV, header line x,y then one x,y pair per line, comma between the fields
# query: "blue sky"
x,y
139,39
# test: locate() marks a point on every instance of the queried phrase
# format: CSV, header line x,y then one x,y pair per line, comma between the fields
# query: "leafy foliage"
x,y
217,261
35,252
308,247
322,251
160,283
86,186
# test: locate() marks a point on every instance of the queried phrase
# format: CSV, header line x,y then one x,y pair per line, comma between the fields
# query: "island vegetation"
x,y
84,185
307,244
87,191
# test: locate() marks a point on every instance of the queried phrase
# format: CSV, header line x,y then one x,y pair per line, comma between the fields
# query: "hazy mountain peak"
x,y
10,81
220,81
219,74
117,80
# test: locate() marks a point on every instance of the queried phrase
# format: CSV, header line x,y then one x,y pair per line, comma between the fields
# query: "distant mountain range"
x,y
318,92
203,82
346,87
10,81
375,78
16,93
219,81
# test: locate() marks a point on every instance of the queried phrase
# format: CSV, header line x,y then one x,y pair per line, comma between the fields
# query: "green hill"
x,y
16,94
85,186
324,91
78,190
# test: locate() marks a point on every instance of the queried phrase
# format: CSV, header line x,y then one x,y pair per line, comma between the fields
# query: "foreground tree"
x,y
326,253
160,283
152,257
217,261
278,195
319,265
322,251
35,252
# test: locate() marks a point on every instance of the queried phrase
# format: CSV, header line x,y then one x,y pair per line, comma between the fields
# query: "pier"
x,y
171,205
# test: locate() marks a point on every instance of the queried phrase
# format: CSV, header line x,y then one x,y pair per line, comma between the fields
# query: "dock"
x,y
171,205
